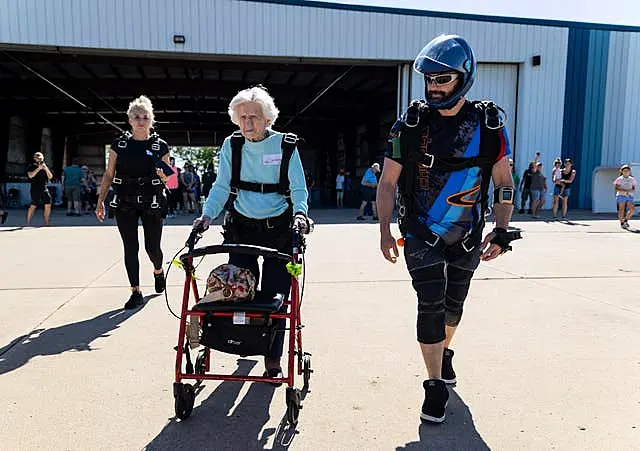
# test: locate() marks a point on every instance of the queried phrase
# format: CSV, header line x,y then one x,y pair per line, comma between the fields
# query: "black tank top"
x,y
134,160
567,177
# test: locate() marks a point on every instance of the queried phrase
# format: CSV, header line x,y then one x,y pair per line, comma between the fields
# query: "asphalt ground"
x,y
546,354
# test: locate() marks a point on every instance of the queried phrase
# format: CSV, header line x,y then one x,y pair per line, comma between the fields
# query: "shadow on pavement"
x,y
70,337
457,432
213,424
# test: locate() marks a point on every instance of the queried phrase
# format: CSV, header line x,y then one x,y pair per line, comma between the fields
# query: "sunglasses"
x,y
440,79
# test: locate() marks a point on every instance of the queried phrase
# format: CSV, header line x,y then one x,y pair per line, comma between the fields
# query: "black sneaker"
x,y
448,375
360,218
436,397
520,211
529,212
134,301
274,372
4,216
160,282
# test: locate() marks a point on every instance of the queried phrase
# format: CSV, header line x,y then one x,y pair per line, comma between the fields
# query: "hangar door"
x,y
499,82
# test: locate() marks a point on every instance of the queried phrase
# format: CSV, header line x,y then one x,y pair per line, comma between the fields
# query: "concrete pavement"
x,y
546,354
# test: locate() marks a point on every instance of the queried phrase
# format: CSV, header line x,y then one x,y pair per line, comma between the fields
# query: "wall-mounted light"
x,y
536,60
178,39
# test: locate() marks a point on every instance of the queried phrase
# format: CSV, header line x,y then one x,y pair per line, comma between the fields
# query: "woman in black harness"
x,y
262,184
139,193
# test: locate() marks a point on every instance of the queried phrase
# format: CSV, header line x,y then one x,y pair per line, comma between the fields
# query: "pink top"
x,y
172,180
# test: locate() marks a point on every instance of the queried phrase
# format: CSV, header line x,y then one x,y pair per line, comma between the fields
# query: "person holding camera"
x,y
138,167
39,174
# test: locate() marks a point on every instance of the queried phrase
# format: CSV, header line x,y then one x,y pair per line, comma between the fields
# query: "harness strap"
x,y
490,146
289,141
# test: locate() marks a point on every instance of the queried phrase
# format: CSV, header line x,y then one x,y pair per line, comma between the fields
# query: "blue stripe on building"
x,y
583,122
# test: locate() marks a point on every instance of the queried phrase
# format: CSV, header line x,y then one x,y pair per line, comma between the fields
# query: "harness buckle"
x,y
139,199
464,246
435,242
156,182
430,158
269,225
117,181
154,202
290,138
122,143
155,146
114,202
234,190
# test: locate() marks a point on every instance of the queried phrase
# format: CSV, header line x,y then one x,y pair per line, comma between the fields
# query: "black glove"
x,y
504,237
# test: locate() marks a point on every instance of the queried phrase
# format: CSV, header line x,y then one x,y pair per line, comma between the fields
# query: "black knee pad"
x,y
429,284
458,282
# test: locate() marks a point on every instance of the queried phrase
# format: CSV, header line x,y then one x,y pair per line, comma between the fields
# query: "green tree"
x,y
200,157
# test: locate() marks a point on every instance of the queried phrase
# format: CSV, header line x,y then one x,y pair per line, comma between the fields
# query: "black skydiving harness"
x,y
491,124
289,144
140,193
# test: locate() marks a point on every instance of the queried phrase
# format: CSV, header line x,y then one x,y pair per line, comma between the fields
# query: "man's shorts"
x,y
40,198
624,198
536,194
557,189
72,193
368,194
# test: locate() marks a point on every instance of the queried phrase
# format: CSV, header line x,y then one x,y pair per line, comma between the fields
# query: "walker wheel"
x,y
306,369
293,405
185,396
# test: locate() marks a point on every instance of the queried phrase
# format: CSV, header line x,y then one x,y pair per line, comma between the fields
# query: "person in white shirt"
x,y
625,187
340,188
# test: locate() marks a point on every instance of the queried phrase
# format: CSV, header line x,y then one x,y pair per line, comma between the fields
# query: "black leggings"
x,y
127,221
275,277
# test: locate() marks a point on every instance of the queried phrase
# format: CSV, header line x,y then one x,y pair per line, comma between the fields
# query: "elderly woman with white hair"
x,y
262,185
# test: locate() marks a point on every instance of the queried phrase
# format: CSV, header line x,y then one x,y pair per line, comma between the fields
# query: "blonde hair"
x,y
141,103
256,94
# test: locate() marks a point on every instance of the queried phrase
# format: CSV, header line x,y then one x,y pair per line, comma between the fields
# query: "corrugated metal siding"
x,y
595,94
239,28
613,153
585,98
630,146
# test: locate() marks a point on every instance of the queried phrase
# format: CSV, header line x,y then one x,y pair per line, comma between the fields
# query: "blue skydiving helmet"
x,y
447,53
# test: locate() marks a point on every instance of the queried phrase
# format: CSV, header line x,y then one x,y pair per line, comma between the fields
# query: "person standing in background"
x,y
538,190
39,174
625,187
525,188
72,180
172,186
369,186
340,188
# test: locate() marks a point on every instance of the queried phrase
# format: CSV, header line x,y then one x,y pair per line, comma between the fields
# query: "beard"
x,y
438,95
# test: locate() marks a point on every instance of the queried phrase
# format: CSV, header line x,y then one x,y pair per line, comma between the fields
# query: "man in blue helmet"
x,y
442,155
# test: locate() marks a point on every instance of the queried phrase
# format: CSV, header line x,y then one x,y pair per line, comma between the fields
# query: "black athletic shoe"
x,y
134,301
4,216
448,375
529,212
160,282
520,211
273,372
436,397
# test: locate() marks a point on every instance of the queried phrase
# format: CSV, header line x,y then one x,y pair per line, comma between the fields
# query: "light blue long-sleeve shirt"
x,y
260,164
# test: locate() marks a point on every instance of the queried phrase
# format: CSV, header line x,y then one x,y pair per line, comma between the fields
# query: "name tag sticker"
x,y
272,160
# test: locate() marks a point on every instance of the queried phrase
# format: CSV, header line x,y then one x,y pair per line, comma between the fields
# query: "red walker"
x,y
240,317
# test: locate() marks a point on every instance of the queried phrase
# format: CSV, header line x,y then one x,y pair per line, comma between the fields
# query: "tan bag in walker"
x,y
229,283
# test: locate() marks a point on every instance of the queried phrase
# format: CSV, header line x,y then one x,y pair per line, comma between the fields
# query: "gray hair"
x,y
142,103
256,94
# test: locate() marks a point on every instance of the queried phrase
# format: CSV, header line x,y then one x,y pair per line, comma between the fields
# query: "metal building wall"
x,y
234,27
630,145
613,151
